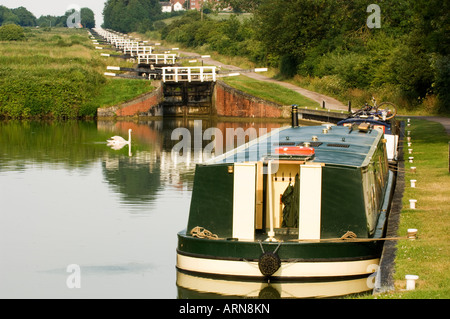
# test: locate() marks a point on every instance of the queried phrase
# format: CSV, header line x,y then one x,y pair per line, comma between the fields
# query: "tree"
x,y
131,15
50,21
431,19
290,29
26,18
241,5
7,16
87,18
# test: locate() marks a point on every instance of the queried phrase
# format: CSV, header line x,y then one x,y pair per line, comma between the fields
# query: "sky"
x,y
57,7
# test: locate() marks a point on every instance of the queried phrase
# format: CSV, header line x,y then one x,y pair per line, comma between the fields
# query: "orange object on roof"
x,y
295,150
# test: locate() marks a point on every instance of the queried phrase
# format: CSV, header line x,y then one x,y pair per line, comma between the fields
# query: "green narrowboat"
x,y
380,116
294,204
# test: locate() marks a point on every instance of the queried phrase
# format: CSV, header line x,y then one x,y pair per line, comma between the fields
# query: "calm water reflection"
x,y
66,198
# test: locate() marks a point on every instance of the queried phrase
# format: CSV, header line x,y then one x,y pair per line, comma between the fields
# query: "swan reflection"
x,y
118,142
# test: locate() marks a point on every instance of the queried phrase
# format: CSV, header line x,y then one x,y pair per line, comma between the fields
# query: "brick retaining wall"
x,y
147,104
235,103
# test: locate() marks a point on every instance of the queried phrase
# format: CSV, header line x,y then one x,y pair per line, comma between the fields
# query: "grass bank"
x,y
429,255
57,73
269,91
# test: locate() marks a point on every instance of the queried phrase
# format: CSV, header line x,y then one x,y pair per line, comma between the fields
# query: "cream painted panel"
x,y
310,201
244,201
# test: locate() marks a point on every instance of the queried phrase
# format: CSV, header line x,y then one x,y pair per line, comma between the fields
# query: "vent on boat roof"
x,y
284,144
338,145
311,144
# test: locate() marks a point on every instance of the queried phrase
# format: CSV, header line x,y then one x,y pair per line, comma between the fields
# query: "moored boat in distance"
x,y
378,116
297,203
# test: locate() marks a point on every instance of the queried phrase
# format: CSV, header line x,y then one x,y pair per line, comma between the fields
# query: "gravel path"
x,y
445,121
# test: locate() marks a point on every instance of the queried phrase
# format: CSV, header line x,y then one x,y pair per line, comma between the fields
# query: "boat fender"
x,y
269,263
269,292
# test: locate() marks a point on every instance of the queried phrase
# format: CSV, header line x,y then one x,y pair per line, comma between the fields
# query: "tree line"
x,y
22,17
330,42
131,15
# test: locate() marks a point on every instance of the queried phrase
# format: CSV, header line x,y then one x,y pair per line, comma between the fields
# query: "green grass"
x,y
429,255
269,91
118,90
58,73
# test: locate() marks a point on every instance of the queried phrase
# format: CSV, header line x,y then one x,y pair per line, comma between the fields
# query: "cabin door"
x,y
294,195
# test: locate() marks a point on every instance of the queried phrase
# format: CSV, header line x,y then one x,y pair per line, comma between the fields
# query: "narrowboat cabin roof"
x,y
338,145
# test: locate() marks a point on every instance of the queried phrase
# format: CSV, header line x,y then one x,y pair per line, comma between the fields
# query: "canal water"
x,y
79,219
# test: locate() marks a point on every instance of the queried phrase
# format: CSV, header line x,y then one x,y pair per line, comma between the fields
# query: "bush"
x,y
159,25
11,32
48,92
412,71
442,82
288,65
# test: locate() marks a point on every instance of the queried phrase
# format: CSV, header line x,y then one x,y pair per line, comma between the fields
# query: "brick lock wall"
x,y
143,104
234,103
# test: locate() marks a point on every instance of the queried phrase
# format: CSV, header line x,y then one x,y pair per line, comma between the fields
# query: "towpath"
x,y
445,121
330,102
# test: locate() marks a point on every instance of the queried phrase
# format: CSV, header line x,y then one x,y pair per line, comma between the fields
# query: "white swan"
x,y
119,140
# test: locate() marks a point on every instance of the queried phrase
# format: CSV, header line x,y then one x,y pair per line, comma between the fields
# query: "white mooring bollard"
x,y
412,233
411,281
412,203
413,183
411,159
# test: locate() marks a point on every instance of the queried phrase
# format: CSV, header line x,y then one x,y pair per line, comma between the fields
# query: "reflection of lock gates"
x,y
74,20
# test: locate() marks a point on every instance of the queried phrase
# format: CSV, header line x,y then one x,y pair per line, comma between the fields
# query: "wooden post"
x,y
350,106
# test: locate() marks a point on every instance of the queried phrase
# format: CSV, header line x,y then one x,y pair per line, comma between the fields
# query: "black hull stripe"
x,y
263,279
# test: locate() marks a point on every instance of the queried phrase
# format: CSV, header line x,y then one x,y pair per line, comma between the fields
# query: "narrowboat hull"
x,y
297,260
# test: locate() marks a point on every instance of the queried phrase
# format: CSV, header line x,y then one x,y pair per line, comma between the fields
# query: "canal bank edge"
x,y
225,102
145,103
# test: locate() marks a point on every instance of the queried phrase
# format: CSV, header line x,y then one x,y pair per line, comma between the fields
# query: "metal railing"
x,y
189,74
144,58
